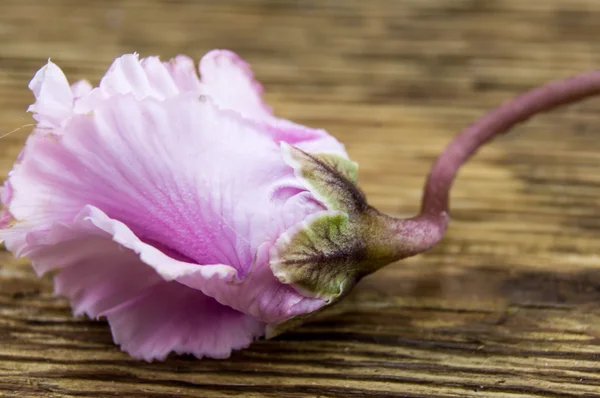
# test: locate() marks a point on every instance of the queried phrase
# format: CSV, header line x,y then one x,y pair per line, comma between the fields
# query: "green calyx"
x,y
331,251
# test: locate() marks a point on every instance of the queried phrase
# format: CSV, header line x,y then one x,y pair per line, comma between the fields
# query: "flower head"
x,y
194,220
178,206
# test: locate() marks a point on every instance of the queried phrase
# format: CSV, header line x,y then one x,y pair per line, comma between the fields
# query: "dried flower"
x,y
184,212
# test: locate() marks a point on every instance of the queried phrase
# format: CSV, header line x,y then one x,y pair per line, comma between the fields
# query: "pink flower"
x,y
194,220
163,200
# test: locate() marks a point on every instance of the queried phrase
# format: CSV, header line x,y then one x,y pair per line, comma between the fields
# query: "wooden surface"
x,y
507,306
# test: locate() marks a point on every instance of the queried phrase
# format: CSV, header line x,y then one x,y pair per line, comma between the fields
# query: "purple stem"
x,y
427,229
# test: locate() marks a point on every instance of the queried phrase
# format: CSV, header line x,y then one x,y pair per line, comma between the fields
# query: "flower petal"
x,y
159,77
183,72
127,75
90,228
167,267
308,139
148,77
259,294
96,274
54,99
172,317
178,172
181,183
229,81
80,89
149,316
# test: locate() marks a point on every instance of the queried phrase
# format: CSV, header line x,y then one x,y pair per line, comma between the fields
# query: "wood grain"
x,y
507,306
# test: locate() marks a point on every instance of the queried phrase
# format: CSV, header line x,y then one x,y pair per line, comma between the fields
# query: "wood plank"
x,y
508,305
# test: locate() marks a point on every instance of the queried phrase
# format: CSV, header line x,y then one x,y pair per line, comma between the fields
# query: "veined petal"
x,y
149,316
259,294
183,72
229,81
143,78
128,76
102,263
177,181
62,245
149,77
95,273
171,317
177,172
305,138
159,77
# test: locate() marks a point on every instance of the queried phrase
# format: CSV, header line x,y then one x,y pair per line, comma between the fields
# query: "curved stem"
x,y
427,229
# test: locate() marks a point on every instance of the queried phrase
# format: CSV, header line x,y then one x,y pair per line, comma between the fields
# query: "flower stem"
x,y
427,229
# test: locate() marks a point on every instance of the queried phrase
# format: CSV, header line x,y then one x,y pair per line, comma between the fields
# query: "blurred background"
x,y
508,301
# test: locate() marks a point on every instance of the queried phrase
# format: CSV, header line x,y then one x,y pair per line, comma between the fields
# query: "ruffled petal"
x,y
229,81
80,89
127,75
54,99
149,77
181,183
102,251
226,79
145,78
260,293
96,274
178,173
159,77
171,317
308,139
167,267
149,317
183,72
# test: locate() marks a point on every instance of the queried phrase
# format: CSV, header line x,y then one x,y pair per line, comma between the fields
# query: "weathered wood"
x,y
507,306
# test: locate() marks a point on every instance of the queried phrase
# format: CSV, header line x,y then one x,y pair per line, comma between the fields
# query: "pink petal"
x,y
6,193
177,172
5,219
308,139
159,77
259,294
81,88
172,317
150,77
167,267
127,76
181,183
54,99
97,245
230,83
148,316
226,79
96,274
143,78
183,72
